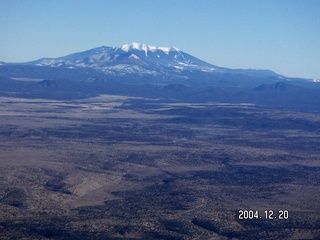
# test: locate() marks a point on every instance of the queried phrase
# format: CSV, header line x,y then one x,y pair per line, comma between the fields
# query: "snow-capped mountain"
x,y
162,72
131,58
130,61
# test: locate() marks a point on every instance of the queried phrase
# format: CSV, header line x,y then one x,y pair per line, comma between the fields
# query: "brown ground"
x,y
113,167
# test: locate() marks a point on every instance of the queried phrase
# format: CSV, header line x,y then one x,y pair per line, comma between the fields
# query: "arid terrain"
x,y
117,167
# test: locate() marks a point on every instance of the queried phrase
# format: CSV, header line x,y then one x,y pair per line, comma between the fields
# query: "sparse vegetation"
x,y
124,168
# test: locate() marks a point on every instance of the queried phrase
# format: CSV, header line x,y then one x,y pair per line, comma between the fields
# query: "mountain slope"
x,y
141,70
132,58
135,59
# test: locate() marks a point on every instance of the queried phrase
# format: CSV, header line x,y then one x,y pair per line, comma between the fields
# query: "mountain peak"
x,y
142,59
146,48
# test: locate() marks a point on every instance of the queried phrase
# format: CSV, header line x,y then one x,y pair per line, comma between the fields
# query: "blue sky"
x,y
281,35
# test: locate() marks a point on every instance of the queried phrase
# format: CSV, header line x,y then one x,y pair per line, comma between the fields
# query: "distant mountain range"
x,y
140,59
155,72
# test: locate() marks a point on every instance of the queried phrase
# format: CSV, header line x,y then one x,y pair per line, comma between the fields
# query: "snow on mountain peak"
x,y
146,48
131,58
137,46
168,49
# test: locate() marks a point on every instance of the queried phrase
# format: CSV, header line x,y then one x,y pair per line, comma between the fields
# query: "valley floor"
x,y
117,167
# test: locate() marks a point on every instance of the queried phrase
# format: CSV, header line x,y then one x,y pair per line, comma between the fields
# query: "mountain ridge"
x,y
166,73
142,59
